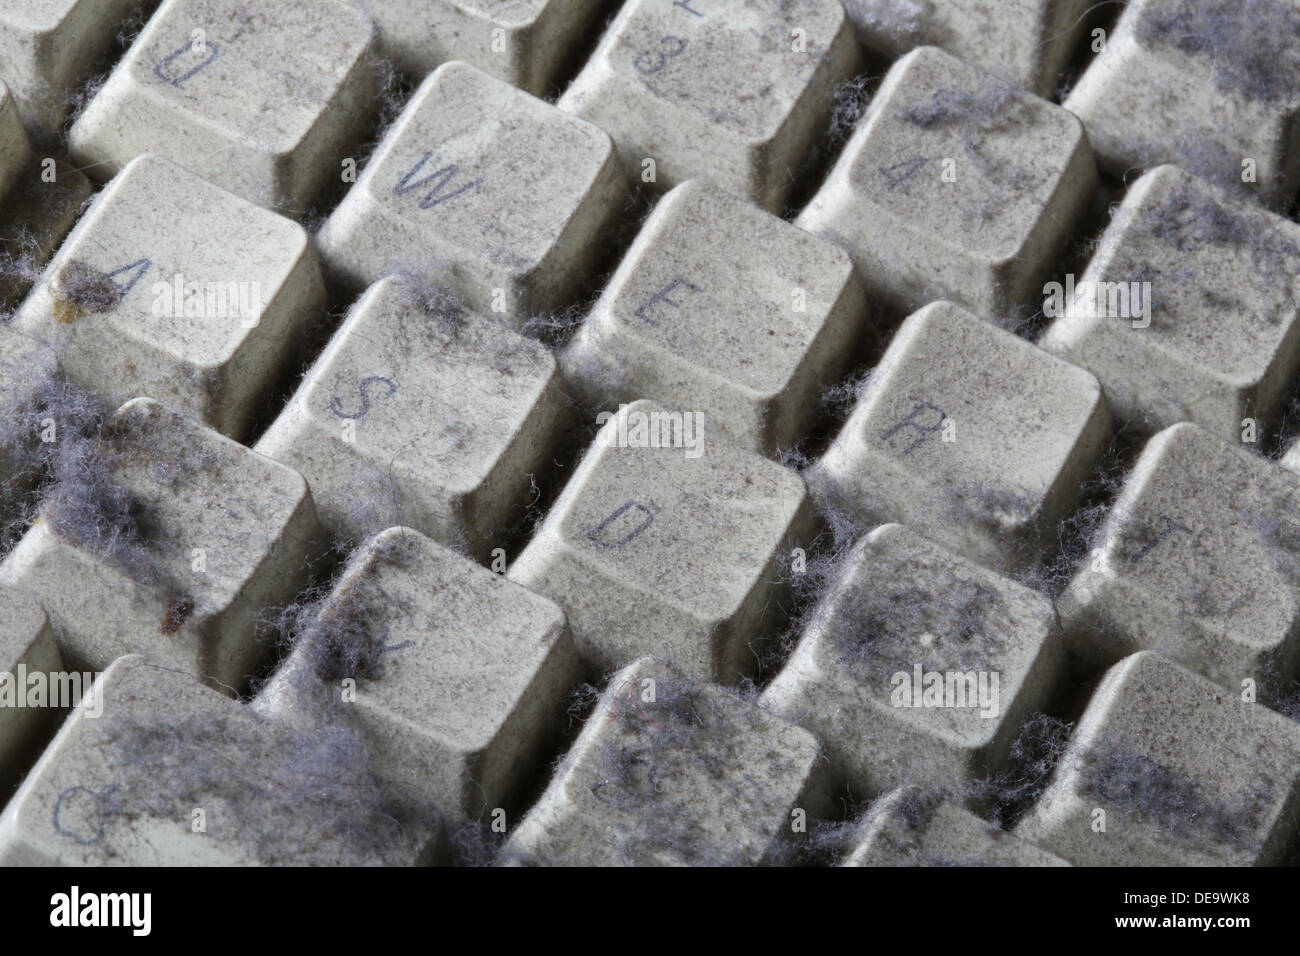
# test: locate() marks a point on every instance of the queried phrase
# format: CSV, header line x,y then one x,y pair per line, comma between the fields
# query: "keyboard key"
x,y
460,677
670,772
141,300
1187,311
435,421
46,47
15,151
514,229
27,650
726,90
919,667
261,99
969,435
911,828
524,42
1166,768
753,331
673,550
170,542
1030,41
1211,85
955,185
172,774
1199,560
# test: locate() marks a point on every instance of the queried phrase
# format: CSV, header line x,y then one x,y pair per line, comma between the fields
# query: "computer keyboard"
x,y
651,432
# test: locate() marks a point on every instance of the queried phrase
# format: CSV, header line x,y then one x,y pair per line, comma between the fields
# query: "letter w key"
x,y
441,179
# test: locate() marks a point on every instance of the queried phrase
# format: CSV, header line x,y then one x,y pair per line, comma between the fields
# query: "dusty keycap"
x,y
911,828
919,667
168,773
1187,311
263,99
752,327
970,435
524,42
1210,85
955,185
429,418
46,47
171,541
1166,768
670,772
732,91
1199,560
30,688
670,541
142,300
457,677
1029,41
15,151
489,202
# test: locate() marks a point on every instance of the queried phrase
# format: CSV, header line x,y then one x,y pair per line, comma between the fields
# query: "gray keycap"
x,y
263,99
955,185
732,91
911,828
173,774
1211,85
676,551
1028,40
172,288
970,435
1199,560
46,47
433,420
1187,311
670,772
527,43
457,677
919,667
483,208
752,329
172,543
1166,768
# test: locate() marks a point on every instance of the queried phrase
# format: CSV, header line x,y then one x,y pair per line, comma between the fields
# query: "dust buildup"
x,y
84,289
848,103
901,20
1251,46
1191,219
983,110
1119,776
650,771
875,631
308,799
1035,753
70,478
336,630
